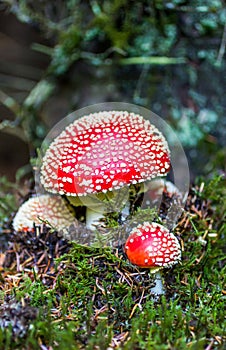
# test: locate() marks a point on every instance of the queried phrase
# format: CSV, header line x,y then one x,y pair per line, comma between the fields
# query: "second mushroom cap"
x,y
153,246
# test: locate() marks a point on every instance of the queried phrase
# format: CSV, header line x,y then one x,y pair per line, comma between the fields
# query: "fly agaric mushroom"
x,y
103,152
153,191
151,245
47,208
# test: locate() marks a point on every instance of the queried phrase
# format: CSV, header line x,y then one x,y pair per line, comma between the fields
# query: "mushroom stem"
x,y
101,203
92,218
94,214
158,288
125,211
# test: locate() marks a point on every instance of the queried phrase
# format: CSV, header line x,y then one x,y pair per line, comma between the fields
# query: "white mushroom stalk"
x,y
101,153
97,205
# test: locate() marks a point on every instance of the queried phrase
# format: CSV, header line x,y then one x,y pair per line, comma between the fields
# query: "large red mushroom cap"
x,y
151,245
45,208
102,152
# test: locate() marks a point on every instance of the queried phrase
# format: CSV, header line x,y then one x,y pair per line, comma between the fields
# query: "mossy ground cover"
x,y
57,294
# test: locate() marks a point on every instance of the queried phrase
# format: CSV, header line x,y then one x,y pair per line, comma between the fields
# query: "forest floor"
x,y
58,294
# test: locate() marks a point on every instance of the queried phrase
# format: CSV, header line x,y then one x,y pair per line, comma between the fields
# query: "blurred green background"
x,y
59,56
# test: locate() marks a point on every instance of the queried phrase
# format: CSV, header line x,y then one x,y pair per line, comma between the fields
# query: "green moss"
x,y
99,299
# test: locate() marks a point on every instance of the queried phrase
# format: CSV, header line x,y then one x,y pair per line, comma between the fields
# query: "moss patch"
x,y
70,296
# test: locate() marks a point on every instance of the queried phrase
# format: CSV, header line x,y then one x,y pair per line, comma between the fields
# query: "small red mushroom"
x,y
151,245
103,152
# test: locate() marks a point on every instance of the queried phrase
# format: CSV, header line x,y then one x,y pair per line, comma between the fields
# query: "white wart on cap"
x,y
153,246
102,152
45,208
